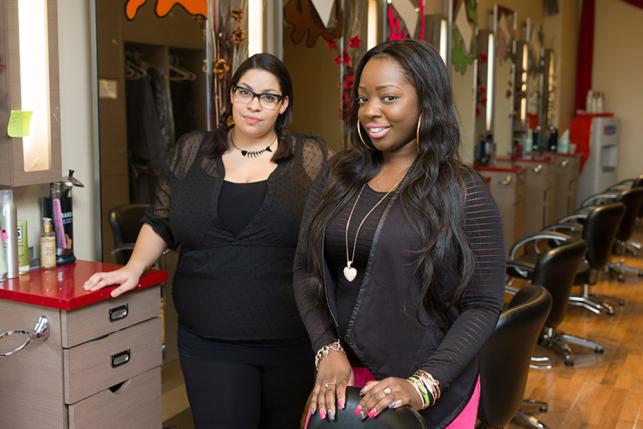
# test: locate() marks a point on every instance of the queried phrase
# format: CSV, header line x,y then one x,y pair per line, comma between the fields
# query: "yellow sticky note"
x,y
19,121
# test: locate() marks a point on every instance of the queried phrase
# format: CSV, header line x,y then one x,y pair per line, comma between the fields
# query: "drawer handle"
x,y
118,313
40,333
507,181
121,358
564,163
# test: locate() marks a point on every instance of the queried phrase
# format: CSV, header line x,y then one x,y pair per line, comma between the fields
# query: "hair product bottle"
x,y
47,245
9,231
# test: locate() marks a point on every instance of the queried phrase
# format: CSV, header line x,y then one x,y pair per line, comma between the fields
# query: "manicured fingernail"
x,y
362,415
358,410
393,404
331,415
372,413
322,414
312,410
341,403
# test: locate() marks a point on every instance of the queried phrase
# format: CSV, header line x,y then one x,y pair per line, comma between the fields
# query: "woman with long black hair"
x,y
232,200
400,265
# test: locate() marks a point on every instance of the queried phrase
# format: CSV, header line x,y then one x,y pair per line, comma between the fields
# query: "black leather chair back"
x,y
125,221
599,232
633,200
504,360
400,418
556,271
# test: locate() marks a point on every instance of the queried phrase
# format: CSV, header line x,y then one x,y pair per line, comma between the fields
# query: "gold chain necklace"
x,y
351,272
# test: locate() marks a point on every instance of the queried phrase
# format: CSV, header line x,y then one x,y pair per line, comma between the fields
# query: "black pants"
x,y
246,385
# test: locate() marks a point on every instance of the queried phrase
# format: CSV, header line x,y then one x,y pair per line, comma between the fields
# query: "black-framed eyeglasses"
x,y
267,100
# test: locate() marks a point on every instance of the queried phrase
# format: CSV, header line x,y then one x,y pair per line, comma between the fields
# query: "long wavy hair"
x,y
217,144
431,193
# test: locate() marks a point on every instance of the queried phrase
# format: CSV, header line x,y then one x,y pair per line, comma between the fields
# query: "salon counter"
x,y
82,359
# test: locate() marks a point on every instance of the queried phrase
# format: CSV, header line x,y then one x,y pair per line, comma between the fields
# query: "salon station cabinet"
x,y
508,186
70,358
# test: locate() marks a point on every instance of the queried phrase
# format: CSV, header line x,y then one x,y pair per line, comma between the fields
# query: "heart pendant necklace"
x,y
350,272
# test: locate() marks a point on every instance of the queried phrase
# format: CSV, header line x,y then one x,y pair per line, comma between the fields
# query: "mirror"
x,y
504,27
464,52
152,89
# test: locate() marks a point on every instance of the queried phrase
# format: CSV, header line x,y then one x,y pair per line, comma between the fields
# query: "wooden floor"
x,y
600,391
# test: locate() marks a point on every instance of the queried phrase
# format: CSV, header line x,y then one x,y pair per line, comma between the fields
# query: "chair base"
x,y
529,420
634,247
558,343
591,302
538,362
620,269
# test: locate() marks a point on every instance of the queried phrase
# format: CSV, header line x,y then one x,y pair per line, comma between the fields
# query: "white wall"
x,y
618,72
76,129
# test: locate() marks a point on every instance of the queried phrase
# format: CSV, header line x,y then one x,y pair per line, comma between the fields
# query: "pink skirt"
x,y
465,420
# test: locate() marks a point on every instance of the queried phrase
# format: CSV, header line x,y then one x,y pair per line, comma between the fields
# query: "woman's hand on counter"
x,y
126,278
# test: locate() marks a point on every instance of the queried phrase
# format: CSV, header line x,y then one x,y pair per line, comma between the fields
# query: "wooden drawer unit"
x,y
84,324
102,363
508,187
541,191
567,167
98,366
136,404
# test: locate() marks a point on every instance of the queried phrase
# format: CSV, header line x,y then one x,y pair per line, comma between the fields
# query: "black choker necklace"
x,y
252,153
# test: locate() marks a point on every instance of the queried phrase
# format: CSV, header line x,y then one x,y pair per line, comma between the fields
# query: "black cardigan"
x,y
234,286
384,331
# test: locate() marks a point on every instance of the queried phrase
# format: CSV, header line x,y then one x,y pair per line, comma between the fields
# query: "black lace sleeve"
x,y
312,308
178,162
481,301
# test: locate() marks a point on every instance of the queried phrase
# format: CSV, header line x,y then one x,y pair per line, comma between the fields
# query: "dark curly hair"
x,y
432,194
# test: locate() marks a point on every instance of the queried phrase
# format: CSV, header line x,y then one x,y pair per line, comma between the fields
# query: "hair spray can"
x,y
9,231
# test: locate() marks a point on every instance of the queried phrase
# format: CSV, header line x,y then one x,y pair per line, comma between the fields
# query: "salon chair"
x,y
632,246
504,360
555,270
399,418
632,199
125,222
597,226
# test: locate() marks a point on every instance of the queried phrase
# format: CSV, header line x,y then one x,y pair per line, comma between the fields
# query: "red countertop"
x,y
62,287
500,168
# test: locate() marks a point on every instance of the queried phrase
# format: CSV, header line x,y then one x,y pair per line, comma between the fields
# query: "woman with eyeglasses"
x,y
233,200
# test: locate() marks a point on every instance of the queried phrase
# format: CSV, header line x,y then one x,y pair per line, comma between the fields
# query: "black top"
x,y
335,241
390,333
234,286
239,203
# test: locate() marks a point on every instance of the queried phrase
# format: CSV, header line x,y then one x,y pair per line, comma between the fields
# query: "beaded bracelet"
x,y
335,346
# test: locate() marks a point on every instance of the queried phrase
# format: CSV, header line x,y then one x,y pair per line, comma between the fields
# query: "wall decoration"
x,y
464,41
163,7
228,28
505,26
311,20
402,20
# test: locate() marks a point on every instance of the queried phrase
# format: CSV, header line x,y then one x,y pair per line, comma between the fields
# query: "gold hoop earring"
x,y
359,133
417,133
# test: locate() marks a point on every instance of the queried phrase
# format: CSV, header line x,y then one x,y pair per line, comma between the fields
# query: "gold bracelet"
x,y
335,346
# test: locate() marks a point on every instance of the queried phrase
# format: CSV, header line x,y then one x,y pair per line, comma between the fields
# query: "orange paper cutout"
x,y
163,7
